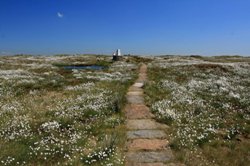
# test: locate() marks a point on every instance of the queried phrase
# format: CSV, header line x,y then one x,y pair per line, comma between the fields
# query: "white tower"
x,y
117,54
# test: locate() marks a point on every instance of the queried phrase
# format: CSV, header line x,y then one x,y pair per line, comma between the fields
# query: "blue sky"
x,y
151,27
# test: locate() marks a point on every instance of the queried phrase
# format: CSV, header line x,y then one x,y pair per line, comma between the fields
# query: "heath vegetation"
x,y
206,103
50,115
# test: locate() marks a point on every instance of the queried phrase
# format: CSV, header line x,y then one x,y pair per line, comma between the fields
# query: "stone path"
x,y
146,140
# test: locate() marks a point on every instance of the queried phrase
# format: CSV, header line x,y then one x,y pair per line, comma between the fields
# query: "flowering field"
x,y
206,103
55,116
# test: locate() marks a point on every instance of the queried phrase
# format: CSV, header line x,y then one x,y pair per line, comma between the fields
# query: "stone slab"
x,y
137,111
134,89
138,84
146,134
147,144
136,93
140,124
142,77
144,164
132,99
149,157
143,68
175,164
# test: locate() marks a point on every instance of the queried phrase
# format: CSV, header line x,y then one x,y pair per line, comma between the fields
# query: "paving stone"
x,y
140,124
136,93
137,111
147,134
144,164
149,157
143,68
142,77
139,80
175,164
142,80
147,144
138,84
132,99
134,89
152,164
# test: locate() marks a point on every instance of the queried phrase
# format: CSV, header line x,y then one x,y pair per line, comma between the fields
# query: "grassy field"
x,y
55,116
206,103
50,115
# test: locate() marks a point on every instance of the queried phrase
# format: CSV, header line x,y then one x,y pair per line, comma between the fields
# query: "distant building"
x,y
117,55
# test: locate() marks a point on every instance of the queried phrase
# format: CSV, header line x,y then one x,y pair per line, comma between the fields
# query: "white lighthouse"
x,y
117,55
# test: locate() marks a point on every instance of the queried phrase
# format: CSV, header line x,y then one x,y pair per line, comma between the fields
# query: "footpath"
x,y
146,139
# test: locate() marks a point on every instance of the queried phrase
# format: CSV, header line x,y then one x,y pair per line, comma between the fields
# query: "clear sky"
x,y
204,27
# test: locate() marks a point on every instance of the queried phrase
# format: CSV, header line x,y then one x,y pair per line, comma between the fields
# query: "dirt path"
x,y
146,140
